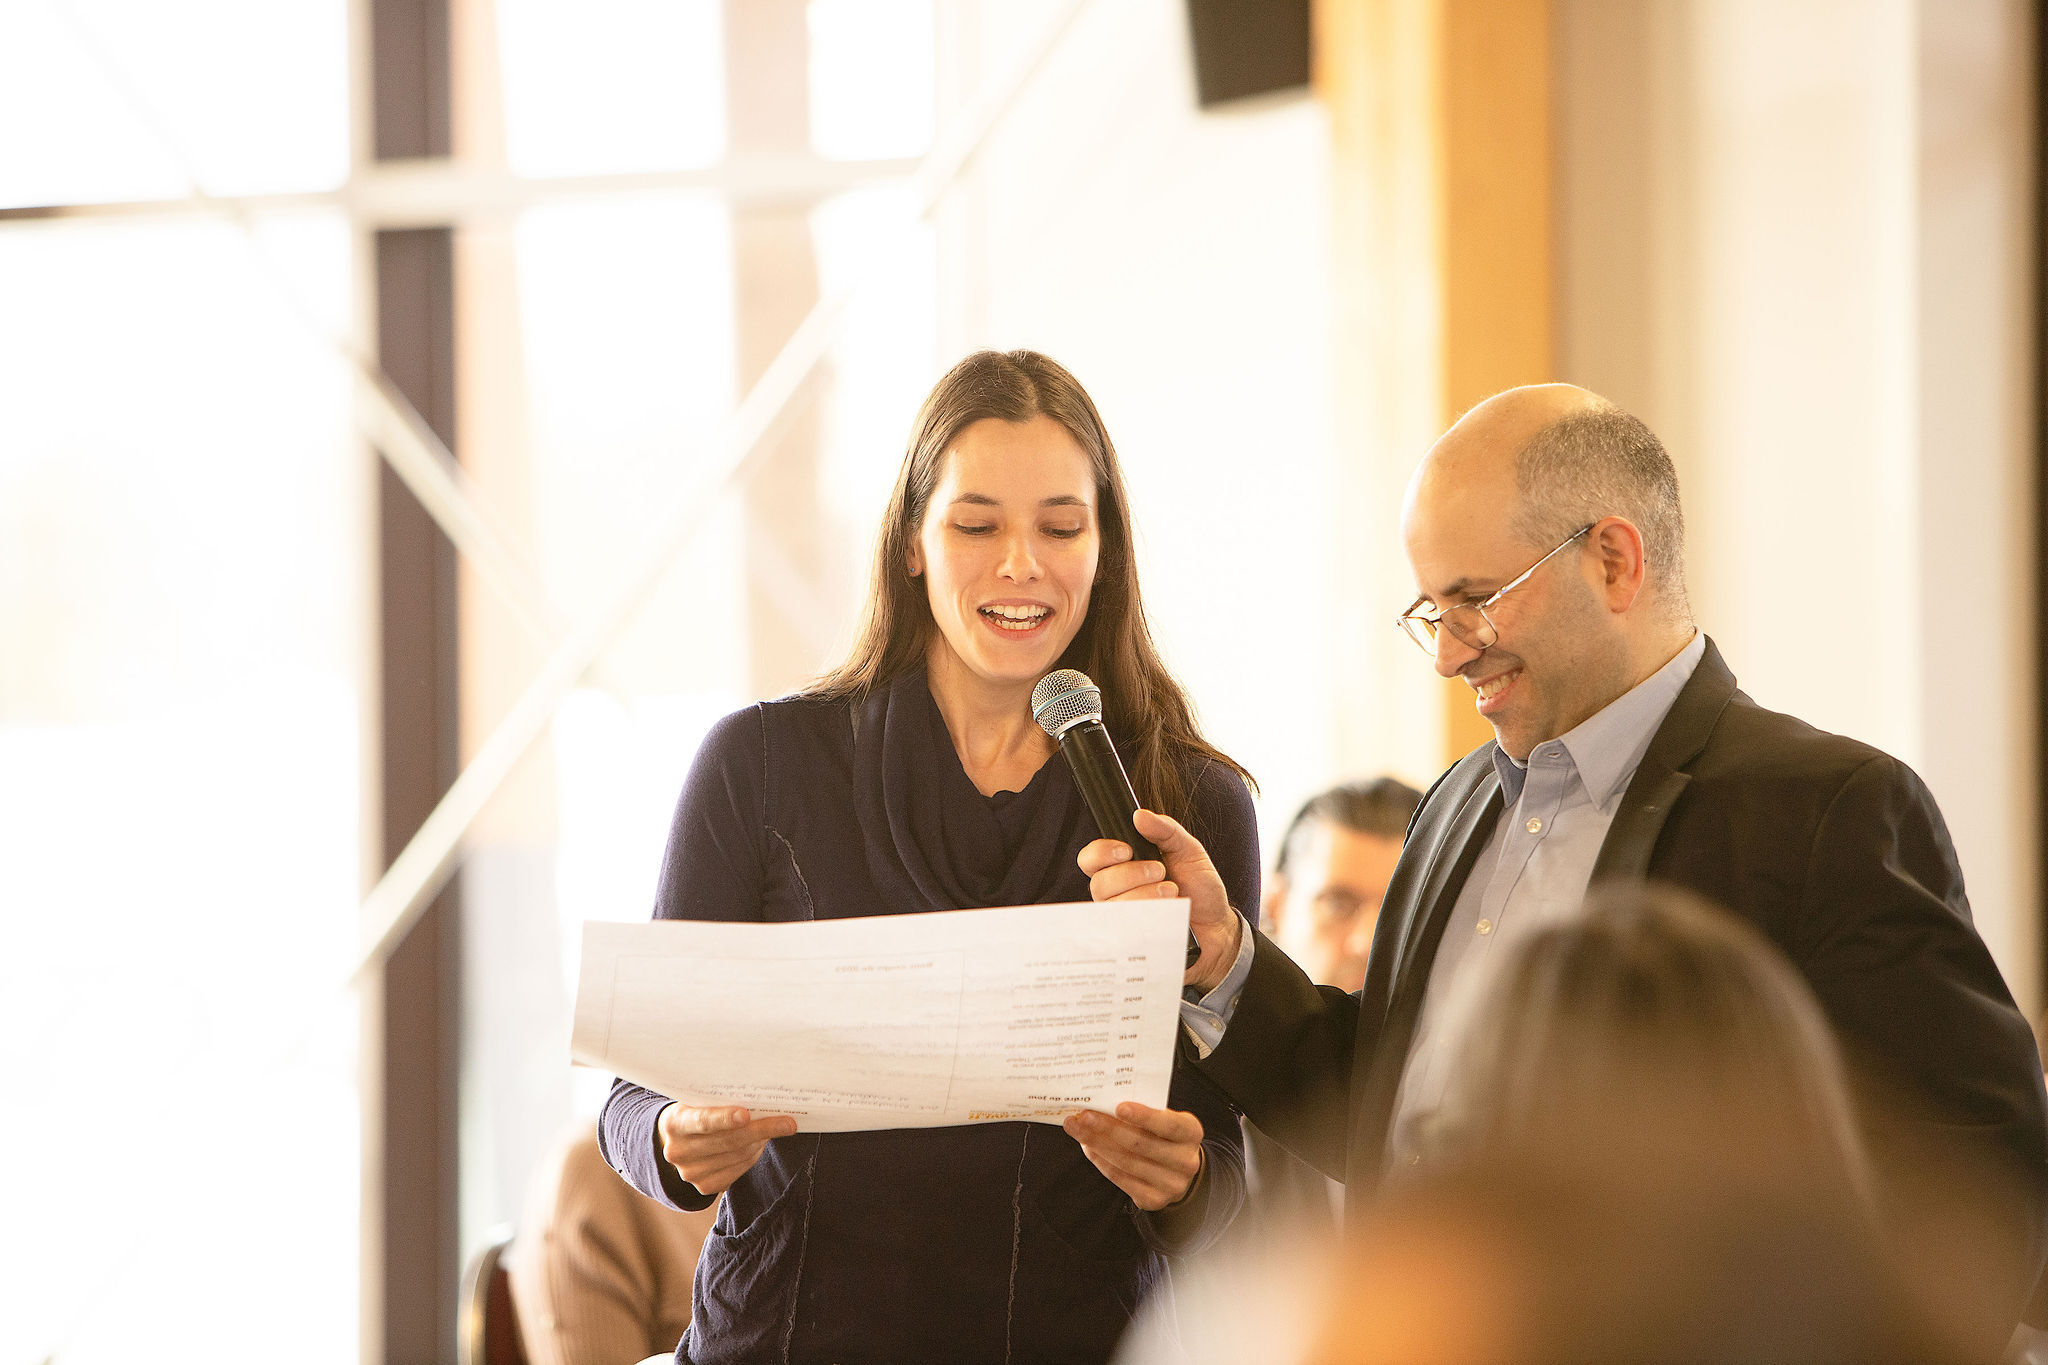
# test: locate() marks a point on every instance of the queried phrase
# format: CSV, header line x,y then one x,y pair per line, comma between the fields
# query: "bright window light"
x,y
620,763
884,360
626,314
625,374
131,99
181,560
871,78
626,310
611,86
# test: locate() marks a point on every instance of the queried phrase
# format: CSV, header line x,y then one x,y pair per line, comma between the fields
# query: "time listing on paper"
x,y
897,1021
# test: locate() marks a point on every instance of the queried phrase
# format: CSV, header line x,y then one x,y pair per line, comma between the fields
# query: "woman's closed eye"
x,y
1064,532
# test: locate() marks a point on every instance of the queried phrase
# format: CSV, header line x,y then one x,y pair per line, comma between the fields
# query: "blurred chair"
x,y
486,1327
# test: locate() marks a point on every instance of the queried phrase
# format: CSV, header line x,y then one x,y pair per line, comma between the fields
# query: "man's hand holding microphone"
x,y
1184,870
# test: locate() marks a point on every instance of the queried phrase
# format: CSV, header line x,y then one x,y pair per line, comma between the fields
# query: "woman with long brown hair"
x,y
912,778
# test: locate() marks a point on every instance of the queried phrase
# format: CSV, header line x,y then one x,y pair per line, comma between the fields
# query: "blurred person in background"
x,y
1546,538
913,778
1335,860
600,1275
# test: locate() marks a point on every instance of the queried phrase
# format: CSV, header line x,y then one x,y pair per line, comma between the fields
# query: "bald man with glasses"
x,y
1546,538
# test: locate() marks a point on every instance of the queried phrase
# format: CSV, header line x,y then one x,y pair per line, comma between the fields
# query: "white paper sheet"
x,y
899,1021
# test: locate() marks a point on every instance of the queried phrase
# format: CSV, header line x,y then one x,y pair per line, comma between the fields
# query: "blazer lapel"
x,y
1453,849
1451,856
1660,779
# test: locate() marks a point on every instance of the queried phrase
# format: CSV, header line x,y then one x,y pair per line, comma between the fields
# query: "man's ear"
x,y
1624,570
1270,903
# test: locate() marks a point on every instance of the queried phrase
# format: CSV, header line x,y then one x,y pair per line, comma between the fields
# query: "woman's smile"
x,y
1017,618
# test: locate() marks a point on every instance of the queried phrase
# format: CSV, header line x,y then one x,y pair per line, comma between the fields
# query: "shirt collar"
x,y
1608,746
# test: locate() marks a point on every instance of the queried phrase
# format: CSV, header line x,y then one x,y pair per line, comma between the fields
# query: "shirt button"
x,y
1534,826
1486,926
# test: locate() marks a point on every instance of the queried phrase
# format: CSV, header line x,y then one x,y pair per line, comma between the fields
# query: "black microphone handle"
x,y
1104,785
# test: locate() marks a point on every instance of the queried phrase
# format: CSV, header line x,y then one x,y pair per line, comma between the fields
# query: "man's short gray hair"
x,y
1602,462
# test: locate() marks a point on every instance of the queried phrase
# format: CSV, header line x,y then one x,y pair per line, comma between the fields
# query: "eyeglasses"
x,y
1469,622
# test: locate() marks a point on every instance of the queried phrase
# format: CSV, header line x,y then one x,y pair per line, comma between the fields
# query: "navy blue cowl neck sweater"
x,y
997,1242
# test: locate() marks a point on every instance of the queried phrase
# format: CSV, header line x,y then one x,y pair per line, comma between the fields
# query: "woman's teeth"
x,y
1015,618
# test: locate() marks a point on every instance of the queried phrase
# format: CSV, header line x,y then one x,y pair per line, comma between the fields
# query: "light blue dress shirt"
x,y
1557,810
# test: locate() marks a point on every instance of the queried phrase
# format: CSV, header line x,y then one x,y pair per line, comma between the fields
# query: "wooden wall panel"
x,y
412,1009
1441,195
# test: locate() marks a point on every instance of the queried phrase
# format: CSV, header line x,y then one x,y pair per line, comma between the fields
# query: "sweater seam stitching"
x,y
796,1292
803,887
1016,1244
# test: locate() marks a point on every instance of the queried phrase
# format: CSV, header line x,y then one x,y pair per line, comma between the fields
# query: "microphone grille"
x,y
1064,698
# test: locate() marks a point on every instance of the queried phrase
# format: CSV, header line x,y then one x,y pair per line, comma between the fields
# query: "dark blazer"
x,y
1833,849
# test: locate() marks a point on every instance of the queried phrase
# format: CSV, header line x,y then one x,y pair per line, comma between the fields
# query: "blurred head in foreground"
x,y
1532,1266
1336,858
1648,1154
1652,1029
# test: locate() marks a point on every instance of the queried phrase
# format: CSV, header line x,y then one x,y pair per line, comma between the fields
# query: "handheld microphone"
x,y
1068,707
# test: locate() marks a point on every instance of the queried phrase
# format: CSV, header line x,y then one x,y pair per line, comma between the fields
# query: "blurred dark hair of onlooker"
x,y
1527,1265
1648,1152
1646,1025
1335,860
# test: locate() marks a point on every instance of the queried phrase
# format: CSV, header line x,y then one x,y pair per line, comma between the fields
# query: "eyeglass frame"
x,y
1435,623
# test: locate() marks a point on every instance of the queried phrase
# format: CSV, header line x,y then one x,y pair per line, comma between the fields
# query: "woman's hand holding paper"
x,y
713,1147
1152,1155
